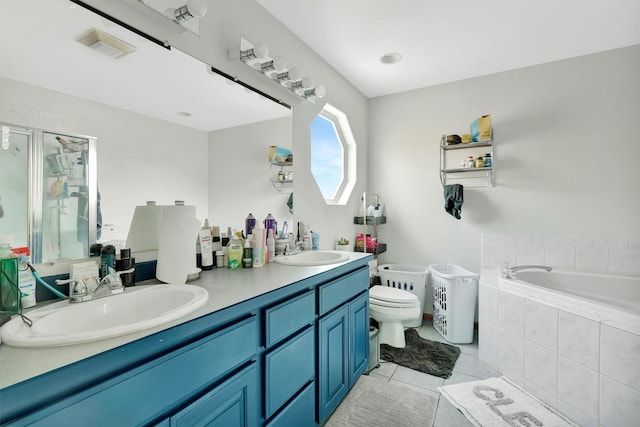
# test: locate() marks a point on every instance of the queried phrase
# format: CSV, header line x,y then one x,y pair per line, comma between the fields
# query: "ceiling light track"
x,y
275,69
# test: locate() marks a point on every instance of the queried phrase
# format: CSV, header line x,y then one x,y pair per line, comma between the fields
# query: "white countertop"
x,y
226,288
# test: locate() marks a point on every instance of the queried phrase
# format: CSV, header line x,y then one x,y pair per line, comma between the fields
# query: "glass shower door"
x,y
68,225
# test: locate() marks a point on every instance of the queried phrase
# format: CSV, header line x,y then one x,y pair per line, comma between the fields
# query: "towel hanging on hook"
x,y
453,199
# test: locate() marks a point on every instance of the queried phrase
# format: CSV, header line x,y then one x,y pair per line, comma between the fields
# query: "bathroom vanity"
x,y
273,346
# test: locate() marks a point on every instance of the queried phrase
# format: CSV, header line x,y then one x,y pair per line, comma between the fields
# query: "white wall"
x,y
239,174
566,157
139,158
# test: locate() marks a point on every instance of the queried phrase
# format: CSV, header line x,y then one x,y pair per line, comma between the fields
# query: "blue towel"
x,y
453,199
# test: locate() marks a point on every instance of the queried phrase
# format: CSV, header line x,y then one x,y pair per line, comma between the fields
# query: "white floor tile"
x,y
449,416
418,379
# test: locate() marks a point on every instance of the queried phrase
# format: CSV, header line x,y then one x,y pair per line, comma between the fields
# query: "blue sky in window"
x,y
326,157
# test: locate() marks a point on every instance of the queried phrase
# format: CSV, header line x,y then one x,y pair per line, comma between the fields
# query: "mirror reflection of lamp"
x,y
192,9
5,137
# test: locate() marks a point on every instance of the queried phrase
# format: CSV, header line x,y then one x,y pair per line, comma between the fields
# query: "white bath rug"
x,y
499,402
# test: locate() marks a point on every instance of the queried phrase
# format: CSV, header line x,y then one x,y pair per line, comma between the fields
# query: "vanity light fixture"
x,y
178,15
257,57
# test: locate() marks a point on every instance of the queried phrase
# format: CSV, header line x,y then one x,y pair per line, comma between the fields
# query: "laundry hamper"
x,y
410,278
454,302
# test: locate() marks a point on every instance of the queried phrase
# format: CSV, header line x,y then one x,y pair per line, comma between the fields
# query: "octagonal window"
x,y
333,156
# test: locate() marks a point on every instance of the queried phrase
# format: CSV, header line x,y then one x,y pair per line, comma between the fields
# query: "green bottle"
x,y
236,249
9,291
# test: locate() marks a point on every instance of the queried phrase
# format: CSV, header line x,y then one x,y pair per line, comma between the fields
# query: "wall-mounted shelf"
x,y
282,176
370,227
470,177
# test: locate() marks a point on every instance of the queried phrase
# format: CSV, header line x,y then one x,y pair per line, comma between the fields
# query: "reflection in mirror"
x,y
69,217
14,179
168,128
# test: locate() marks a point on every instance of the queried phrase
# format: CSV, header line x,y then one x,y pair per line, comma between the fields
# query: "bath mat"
x,y
431,357
374,402
498,402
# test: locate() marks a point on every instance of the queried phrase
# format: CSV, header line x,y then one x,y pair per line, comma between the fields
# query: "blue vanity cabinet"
x,y
343,338
231,404
140,396
283,358
333,363
358,337
290,361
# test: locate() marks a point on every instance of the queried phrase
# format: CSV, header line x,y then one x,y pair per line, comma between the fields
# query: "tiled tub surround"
x,y
579,356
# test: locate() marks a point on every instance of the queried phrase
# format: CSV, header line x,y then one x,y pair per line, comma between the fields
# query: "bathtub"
x,y
607,297
571,339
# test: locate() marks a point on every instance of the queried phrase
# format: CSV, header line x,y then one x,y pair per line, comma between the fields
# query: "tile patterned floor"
x,y
467,368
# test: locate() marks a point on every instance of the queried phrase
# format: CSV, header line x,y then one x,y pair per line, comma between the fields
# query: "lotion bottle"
x,y
271,246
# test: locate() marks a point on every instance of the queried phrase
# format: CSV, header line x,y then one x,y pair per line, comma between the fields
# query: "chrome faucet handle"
x,y
113,282
77,288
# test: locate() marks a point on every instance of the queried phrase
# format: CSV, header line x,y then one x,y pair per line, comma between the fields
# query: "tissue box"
x,y
278,154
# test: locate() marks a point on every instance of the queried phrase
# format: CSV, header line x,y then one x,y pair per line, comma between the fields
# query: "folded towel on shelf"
x,y
453,199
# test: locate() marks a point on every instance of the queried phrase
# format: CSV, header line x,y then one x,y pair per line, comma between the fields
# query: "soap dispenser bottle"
x,y
235,252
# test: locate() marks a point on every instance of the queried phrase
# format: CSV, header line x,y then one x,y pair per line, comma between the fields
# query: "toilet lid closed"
x,y
392,295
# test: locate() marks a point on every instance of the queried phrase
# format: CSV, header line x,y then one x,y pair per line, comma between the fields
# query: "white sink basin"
x,y
313,258
138,308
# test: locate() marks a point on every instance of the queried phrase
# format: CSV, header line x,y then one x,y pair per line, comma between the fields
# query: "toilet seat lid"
x,y
393,295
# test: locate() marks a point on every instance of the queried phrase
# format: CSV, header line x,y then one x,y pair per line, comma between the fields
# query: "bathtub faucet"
x,y
508,272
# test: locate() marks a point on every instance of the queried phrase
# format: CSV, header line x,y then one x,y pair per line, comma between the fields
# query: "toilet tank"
x,y
410,278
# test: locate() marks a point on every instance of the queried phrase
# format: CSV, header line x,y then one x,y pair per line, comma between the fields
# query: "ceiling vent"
x,y
105,43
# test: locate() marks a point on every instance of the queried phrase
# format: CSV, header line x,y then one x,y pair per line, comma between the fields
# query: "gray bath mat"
x,y
374,402
431,357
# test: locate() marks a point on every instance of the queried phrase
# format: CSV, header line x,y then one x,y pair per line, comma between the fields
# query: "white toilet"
x,y
393,309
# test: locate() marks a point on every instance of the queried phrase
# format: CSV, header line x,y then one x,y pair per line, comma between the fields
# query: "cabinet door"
x,y
358,337
333,369
288,368
234,403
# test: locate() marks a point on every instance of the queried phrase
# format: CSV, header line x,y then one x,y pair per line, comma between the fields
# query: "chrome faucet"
x,y
509,272
111,284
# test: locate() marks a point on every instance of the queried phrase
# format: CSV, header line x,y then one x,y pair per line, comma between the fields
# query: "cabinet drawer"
x,y
300,412
288,368
290,316
233,403
341,290
156,387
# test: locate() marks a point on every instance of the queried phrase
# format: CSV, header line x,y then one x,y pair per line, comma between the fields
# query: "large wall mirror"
x,y
166,128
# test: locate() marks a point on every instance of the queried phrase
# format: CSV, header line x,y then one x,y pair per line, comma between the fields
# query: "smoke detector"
x,y
105,43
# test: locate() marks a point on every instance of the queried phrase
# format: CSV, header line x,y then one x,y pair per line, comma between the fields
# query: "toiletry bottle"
x,y
107,260
95,249
249,224
257,247
9,292
235,252
126,262
315,240
206,250
271,246
247,255
26,283
271,224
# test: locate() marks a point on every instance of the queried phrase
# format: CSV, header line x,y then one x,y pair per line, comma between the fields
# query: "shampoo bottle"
x,y
206,249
